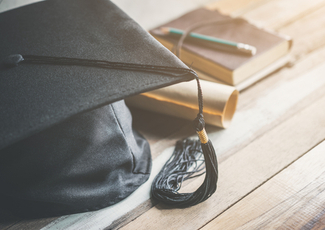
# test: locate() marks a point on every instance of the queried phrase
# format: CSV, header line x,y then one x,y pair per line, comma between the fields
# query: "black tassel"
x,y
183,164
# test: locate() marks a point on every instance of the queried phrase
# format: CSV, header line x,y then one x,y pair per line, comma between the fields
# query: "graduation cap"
x,y
67,144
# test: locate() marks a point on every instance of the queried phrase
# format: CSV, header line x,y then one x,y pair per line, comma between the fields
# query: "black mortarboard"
x,y
67,143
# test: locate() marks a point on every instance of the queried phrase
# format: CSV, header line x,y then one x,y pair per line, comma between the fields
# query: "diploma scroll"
x,y
181,100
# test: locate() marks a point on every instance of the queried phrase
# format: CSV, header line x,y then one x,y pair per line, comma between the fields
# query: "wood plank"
x,y
293,199
308,33
275,14
31,224
246,170
235,8
131,215
7,220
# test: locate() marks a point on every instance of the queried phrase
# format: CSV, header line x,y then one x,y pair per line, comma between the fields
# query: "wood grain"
x,y
277,13
293,199
7,220
31,224
308,33
234,7
246,170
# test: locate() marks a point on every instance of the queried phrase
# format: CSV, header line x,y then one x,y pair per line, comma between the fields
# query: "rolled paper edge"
x,y
230,109
156,102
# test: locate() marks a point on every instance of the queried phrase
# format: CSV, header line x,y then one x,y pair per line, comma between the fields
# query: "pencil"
x,y
215,42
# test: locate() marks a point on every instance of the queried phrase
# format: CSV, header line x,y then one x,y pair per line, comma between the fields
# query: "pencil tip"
x,y
246,48
165,30
254,50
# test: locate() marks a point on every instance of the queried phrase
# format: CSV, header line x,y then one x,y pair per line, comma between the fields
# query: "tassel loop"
x,y
199,123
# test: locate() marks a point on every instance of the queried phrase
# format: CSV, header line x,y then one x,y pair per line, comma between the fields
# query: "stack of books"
x,y
218,63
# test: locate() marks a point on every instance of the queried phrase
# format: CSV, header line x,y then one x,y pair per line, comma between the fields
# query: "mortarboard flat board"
x,y
67,143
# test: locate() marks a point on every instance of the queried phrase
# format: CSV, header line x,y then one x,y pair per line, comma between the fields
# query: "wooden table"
x,y
272,157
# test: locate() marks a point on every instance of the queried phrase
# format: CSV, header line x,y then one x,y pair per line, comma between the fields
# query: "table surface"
x,y
271,158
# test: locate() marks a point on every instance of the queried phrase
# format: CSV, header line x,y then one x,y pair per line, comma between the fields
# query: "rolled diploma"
x,y
181,100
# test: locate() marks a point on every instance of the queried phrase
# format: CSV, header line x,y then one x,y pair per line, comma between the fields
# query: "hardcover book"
x,y
230,67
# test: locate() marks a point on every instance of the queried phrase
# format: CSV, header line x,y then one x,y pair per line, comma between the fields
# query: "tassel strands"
x,y
177,171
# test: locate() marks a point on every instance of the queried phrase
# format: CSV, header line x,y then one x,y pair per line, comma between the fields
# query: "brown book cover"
x,y
229,67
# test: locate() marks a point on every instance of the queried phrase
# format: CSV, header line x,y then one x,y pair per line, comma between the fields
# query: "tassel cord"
x,y
17,59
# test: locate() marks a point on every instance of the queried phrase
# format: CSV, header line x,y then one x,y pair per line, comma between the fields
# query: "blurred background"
x,y
148,13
